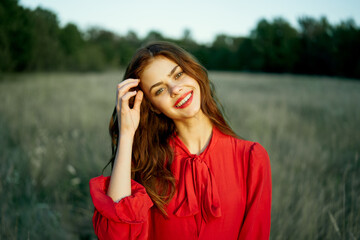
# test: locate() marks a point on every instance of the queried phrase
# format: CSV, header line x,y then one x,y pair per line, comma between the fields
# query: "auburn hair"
x,y
152,155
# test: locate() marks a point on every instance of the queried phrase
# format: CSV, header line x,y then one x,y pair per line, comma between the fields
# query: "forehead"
x,y
156,71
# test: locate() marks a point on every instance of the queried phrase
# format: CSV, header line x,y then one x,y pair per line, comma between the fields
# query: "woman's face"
x,y
170,90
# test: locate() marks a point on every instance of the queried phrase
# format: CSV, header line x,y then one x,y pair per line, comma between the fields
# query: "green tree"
x,y
347,49
248,57
32,40
91,58
317,47
71,39
46,51
222,53
107,42
276,42
8,8
72,44
126,46
154,36
16,40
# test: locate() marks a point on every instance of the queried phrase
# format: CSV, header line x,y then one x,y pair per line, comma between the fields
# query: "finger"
x,y
128,95
127,81
125,88
125,99
119,97
138,99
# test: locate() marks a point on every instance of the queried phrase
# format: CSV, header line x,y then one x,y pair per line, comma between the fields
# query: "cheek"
x,y
150,100
159,103
199,91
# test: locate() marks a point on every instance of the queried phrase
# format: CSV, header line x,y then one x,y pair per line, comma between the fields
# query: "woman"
x,y
178,170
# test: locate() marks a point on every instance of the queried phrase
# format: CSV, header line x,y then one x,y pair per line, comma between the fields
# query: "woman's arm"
x,y
122,206
128,121
257,217
120,181
127,219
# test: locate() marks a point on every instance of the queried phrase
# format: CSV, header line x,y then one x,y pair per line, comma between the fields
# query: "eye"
x,y
159,91
177,76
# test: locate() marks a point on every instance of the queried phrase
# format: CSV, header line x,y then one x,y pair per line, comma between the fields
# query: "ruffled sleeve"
x,y
127,219
256,223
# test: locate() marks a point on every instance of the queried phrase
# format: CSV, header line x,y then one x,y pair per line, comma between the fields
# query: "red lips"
x,y
182,97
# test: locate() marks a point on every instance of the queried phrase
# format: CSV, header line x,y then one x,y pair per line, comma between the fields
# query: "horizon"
x,y
232,20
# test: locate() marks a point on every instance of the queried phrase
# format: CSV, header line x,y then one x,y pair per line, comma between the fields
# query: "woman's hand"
x,y
128,118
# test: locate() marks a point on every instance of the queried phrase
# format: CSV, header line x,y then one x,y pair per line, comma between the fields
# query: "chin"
x,y
193,113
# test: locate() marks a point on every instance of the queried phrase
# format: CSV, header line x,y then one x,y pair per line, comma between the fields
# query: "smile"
x,y
184,100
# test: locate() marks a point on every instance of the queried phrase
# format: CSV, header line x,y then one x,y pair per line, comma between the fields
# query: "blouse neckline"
x,y
210,145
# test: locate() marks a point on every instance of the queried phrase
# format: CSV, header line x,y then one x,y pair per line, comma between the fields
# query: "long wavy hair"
x,y
152,155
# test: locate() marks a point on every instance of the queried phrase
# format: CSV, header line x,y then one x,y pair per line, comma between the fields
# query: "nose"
x,y
175,89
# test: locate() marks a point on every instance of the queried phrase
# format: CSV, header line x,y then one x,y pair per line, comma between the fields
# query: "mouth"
x,y
184,100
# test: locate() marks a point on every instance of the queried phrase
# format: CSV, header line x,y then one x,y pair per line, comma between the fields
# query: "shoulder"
x,y
247,150
256,149
234,142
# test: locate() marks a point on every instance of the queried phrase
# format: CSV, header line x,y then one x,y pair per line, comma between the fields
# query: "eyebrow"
x,y
172,71
169,75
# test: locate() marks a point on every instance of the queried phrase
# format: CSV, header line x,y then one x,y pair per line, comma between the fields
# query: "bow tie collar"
x,y
197,189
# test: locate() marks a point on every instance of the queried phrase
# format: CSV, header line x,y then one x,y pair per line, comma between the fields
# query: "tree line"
x,y
33,40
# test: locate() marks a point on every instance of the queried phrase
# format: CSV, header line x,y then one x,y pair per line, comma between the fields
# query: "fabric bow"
x,y
197,187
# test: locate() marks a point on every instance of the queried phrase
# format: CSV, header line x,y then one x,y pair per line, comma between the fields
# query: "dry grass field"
x,y
54,138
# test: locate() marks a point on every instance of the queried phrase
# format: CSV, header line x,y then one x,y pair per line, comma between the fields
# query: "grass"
x,y
53,139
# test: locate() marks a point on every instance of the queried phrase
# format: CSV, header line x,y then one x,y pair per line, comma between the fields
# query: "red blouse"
x,y
223,193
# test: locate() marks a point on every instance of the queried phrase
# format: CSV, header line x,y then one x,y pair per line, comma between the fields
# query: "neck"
x,y
195,133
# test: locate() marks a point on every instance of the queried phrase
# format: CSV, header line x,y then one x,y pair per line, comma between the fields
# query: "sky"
x,y
204,18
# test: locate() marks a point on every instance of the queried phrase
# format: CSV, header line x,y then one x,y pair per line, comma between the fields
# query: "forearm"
x,y
127,219
120,182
